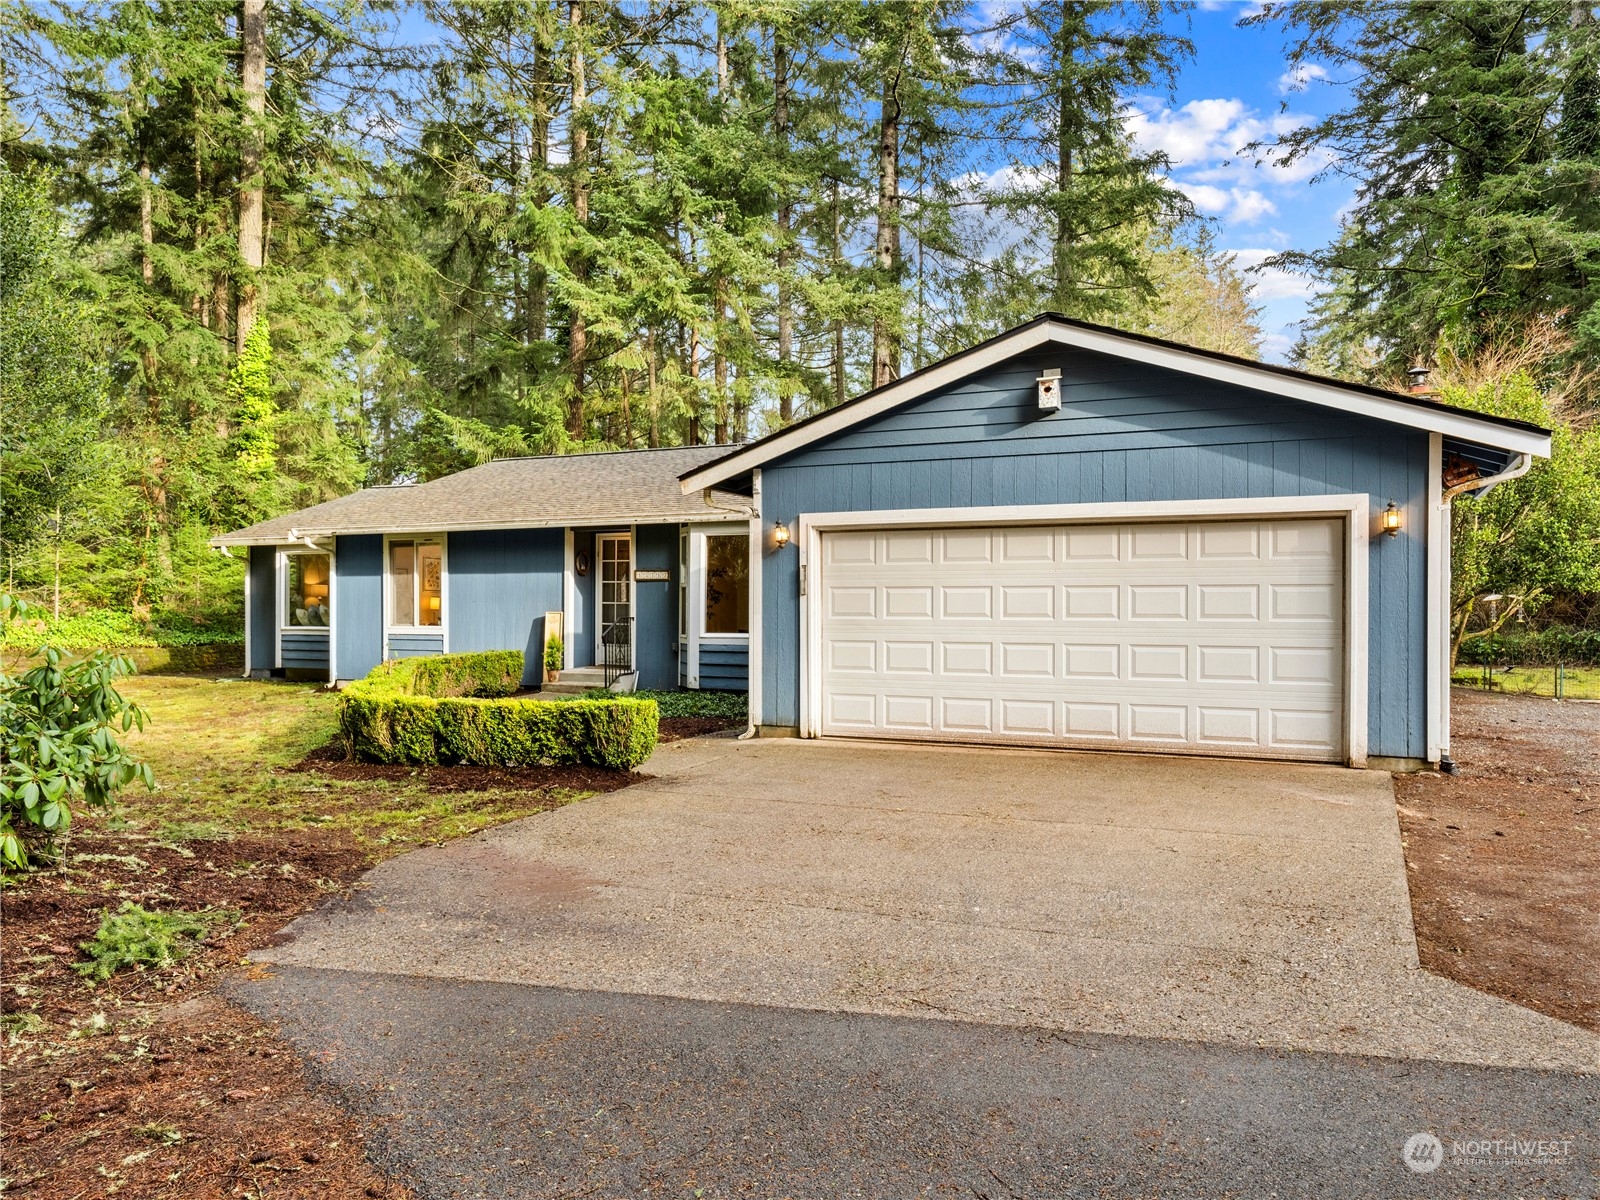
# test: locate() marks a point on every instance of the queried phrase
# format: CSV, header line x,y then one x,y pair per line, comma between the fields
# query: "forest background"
x,y
255,254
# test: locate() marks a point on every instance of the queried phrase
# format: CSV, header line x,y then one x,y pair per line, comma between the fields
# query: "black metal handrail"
x,y
616,649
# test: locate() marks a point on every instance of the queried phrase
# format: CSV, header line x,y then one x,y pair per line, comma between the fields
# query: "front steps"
x,y
575,681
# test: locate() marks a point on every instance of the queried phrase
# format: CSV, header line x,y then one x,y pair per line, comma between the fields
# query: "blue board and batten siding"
x,y
1126,432
655,606
501,583
263,615
358,605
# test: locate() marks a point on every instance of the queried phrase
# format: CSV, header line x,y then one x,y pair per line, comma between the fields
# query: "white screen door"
x,y
615,552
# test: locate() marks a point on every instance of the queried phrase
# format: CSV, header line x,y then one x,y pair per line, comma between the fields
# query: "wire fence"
x,y
1560,682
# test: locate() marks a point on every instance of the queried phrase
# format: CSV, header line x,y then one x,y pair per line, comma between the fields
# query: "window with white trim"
x,y
416,583
307,593
727,584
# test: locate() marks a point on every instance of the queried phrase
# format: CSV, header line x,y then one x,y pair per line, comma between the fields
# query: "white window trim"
x,y
281,600
697,586
442,629
1353,508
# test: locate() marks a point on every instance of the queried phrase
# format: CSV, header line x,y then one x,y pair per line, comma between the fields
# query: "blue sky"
x,y
1236,90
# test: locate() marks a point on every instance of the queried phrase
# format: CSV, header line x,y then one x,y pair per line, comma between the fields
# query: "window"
x,y
306,591
727,583
416,584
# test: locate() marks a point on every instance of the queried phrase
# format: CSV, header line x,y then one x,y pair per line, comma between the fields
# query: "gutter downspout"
x,y
1519,467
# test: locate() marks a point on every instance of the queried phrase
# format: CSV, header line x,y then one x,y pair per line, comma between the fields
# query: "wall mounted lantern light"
x,y
1389,520
780,535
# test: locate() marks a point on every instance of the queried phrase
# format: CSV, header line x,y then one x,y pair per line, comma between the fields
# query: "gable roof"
x,y
1052,329
621,487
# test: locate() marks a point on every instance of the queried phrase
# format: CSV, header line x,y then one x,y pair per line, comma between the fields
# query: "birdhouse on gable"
x,y
1050,390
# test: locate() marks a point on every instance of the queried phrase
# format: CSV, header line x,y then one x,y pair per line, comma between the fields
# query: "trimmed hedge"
x,y
454,708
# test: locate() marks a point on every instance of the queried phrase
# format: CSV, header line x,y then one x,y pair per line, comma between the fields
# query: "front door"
x,y
615,630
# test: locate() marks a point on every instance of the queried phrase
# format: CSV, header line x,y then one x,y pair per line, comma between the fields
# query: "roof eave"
x,y
1050,330
709,515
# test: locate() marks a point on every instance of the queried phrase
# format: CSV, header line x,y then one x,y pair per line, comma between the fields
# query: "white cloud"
x,y
1296,78
1275,347
1244,205
1271,283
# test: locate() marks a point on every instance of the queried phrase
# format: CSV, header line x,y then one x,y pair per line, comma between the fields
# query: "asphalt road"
x,y
507,1091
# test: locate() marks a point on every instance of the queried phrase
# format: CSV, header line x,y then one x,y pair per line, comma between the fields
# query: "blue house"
x,y
1067,536
642,575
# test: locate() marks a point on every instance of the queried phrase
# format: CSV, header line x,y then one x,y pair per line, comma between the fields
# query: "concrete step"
x,y
575,681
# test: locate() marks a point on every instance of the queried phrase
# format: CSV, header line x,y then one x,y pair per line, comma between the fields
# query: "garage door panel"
x,y
1228,602
1219,638
1152,602
964,547
965,714
1228,726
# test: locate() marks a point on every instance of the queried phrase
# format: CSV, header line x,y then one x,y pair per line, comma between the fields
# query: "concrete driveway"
x,y
1207,900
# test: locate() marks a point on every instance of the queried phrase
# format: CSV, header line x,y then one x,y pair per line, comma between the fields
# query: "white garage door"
x,y
1219,637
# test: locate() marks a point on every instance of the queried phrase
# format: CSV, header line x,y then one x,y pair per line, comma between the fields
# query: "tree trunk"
x,y
651,353
147,272
837,259
719,284
780,122
543,71
252,191
1064,231
578,349
885,330
694,388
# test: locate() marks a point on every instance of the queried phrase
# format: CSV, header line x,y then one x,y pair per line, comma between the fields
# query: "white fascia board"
x,y
1330,395
709,516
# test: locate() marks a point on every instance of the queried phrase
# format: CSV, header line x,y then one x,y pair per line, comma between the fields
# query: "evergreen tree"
x,y
1471,136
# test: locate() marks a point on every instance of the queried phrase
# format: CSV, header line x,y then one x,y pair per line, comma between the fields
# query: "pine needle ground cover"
x,y
144,1081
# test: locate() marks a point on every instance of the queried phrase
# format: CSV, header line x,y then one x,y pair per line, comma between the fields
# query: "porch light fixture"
x,y
1389,521
780,535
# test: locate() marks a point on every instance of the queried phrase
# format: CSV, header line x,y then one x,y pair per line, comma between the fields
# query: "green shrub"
x,y
135,937
58,745
1536,648
452,709
553,652
112,628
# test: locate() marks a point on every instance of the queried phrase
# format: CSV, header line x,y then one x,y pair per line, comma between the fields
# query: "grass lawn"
x,y
148,1083
1579,683
220,748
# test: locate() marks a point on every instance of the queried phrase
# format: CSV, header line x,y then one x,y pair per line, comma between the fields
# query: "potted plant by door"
x,y
552,660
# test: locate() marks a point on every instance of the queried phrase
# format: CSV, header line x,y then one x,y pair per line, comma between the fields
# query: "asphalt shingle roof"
x,y
618,487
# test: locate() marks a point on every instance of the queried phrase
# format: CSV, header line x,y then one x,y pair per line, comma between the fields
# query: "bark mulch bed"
x,y
1504,858
675,729
150,1085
